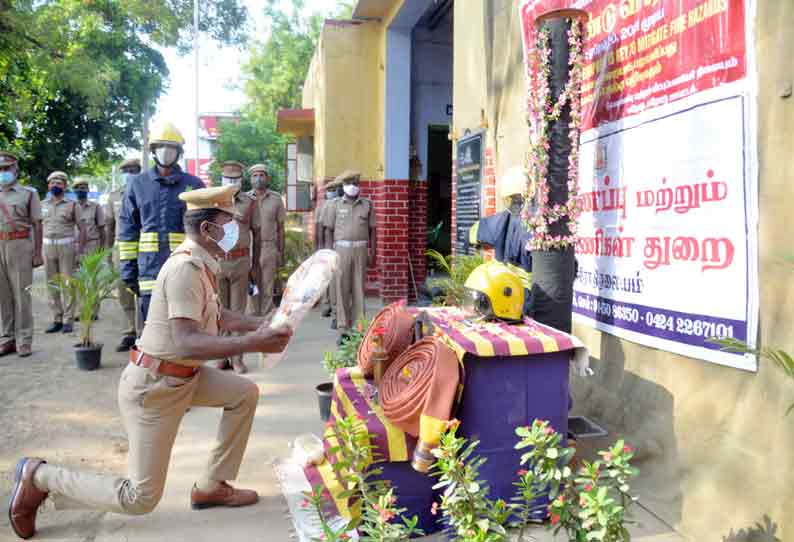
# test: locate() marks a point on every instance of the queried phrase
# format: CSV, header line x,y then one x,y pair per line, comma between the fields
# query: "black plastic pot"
x,y
324,399
88,357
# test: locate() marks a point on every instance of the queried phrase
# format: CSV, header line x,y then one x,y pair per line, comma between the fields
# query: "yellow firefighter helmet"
x,y
494,291
166,134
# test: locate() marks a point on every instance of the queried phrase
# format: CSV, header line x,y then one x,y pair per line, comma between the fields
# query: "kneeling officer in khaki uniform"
x,y
165,377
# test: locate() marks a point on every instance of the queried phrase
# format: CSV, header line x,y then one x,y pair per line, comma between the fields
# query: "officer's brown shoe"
x,y
25,498
24,351
8,347
225,495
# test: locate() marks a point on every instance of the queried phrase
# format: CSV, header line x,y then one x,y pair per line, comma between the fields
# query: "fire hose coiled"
x,y
397,325
418,394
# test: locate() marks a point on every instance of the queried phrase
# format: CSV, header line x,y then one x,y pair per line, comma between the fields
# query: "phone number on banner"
x,y
691,329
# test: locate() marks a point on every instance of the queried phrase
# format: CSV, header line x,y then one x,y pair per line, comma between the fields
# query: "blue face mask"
x,y
7,177
56,191
81,194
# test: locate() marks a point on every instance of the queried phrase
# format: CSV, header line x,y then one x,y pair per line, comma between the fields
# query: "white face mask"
x,y
351,190
231,181
166,156
7,177
231,234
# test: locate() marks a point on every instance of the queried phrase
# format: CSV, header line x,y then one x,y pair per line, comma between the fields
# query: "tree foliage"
x,y
273,80
77,75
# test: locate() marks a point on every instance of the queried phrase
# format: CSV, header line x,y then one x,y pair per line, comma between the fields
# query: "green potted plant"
x,y
93,282
346,355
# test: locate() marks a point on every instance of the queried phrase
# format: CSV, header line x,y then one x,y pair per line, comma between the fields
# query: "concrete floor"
x,y
287,408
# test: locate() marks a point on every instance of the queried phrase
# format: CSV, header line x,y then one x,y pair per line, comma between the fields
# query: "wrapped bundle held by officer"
x,y
165,377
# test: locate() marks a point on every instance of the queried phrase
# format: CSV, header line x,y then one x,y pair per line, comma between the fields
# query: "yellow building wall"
x,y
713,444
314,98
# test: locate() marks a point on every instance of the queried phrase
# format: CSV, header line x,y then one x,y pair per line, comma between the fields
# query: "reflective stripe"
x,y
146,285
149,242
128,250
175,239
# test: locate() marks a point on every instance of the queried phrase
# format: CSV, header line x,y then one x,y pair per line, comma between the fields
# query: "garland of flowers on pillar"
x,y
541,112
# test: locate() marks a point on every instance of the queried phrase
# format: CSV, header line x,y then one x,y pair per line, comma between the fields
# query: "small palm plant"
x,y
92,283
458,268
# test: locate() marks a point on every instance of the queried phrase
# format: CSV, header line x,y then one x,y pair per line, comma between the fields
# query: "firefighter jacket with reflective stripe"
x,y
150,224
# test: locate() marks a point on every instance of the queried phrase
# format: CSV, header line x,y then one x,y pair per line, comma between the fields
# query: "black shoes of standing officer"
x,y
126,343
54,328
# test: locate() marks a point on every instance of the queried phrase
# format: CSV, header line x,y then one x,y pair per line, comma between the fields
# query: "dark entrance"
x,y
439,189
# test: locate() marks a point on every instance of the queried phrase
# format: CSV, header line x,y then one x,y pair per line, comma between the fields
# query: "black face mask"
x,y
56,191
81,194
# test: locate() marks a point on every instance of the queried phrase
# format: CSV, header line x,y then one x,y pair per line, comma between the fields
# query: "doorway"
x,y
439,189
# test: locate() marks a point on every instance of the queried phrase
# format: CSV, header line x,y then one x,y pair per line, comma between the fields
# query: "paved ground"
x,y
51,409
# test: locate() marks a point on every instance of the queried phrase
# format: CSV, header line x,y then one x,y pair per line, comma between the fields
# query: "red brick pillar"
x,y
417,244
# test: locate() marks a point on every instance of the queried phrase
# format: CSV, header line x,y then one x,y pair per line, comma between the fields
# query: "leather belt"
x,y
165,368
237,254
12,235
64,241
351,244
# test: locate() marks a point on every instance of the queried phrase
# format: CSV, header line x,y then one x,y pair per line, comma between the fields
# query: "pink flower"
x,y
305,503
588,487
386,515
628,449
522,472
434,508
608,456
555,519
548,430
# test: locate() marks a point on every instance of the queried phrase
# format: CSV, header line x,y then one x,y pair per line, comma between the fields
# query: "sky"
x,y
219,76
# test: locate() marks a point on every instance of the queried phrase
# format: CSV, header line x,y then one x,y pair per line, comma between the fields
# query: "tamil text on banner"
x,y
667,246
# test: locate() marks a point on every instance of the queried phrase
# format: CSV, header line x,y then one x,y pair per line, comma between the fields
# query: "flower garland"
x,y
540,114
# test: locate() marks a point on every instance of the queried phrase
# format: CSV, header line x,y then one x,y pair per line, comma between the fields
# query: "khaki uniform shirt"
x,y
91,217
350,220
60,219
185,288
271,213
112,211
247,218
23,207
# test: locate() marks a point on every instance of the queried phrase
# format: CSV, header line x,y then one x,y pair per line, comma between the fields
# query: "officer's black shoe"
x,y
344,337
327,313
67,328
54,328
126,343
333,323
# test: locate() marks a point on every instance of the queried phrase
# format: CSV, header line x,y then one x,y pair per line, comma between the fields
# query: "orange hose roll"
x,y
397,326
418,393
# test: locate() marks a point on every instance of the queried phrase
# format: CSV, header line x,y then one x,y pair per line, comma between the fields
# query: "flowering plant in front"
x,y
542,112
589,504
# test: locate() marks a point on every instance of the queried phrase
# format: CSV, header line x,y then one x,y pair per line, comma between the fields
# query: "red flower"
x,y
522,472
627,449
305,503
537,423
386,515
555,519
344,536
588,487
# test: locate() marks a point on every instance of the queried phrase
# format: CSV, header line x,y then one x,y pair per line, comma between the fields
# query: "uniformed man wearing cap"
x,y
236,267
91,217
64,236
350,226
271,237
20,212
165,377
128,168
333,189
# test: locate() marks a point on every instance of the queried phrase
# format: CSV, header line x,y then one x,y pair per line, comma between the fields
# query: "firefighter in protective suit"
x,y
150,221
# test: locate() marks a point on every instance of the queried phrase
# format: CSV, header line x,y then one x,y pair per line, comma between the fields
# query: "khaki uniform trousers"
x,y
16,276
233,287
265,279
126,299
151,409
350,284
59,260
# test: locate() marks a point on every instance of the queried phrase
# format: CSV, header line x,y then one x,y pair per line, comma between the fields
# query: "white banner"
x,y
667,235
